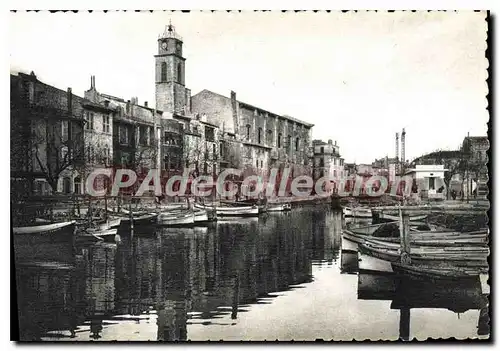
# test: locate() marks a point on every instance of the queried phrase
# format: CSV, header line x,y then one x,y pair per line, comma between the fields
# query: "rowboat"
x,y
145,219
53,242
53,228
236,211
428,238
108,235
454,256
439,272
363,212
390,217
278,207
176,218
370,264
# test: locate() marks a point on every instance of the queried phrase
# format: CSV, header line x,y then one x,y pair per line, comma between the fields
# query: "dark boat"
x,y
48,242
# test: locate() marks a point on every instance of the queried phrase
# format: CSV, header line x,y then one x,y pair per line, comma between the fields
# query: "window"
x,y
77,185
91,121
214,151
209,134
269,140
279,140
289,142
64,131
259,138
165,162
105,124
220,148
66,185
431,183
179,73
257,163
163,77
205,168
64,154
297,144
248,131
322,150
261,164
321,162
123,135
143,135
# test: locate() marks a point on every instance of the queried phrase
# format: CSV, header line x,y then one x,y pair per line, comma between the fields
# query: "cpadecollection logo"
x,y
251,186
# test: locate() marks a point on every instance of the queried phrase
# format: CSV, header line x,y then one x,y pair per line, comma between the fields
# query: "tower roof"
x,y
170,32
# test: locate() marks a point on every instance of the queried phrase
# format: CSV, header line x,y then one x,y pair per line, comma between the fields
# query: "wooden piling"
x,y
404,230
404,324
131,221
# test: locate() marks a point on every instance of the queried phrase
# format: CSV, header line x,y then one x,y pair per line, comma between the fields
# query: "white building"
x,y
429,180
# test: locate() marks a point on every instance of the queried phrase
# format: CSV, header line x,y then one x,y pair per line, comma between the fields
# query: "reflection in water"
x,y
238,273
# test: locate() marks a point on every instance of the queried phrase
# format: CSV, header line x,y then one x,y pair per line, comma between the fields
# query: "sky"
x,y
358,77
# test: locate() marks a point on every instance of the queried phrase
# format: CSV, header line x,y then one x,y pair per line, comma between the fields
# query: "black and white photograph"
x,y
249,175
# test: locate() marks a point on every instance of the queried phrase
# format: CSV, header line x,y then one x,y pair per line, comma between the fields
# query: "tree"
x,y
57,146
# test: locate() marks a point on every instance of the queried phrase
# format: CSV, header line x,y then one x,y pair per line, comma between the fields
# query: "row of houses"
x,y
58,137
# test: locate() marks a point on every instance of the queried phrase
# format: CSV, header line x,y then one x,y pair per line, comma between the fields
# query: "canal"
x,y
276,277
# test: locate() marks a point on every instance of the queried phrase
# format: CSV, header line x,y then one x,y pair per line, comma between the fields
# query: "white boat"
x,y
396,218
45,229
370,264
236,211
105,234
174,218
278,207
200,215
363,212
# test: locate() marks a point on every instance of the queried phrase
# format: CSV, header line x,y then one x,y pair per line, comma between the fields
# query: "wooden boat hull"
x,y
370,264
140,220
450,258
174,219
50,242
437,272
242,211
357,212
279,208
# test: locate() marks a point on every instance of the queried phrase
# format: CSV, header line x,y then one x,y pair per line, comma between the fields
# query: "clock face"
x,y
164,45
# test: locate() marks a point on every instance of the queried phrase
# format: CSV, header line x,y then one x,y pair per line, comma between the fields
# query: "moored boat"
x,y
278,207
234,211
429,238
54,242
176,218
145,219
362,212
439,272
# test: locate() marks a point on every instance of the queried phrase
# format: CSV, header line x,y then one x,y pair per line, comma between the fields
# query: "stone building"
x,y
266,140
199,149
47,144
327,160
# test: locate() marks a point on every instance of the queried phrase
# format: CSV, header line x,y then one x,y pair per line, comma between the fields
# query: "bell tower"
x,y
171,93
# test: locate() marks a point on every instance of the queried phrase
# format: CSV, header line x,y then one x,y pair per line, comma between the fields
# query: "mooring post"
x,y
404,323
131,220
404,230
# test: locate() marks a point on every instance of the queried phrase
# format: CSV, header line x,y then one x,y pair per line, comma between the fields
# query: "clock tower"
x,y
171,93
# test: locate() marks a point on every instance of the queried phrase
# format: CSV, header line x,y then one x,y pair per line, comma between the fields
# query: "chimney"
x,y
145,103
92,82
70,101
335,142
329,141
